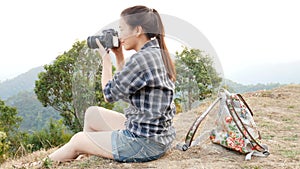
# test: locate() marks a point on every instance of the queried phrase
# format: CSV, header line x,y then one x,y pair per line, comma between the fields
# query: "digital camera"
x,y
109,39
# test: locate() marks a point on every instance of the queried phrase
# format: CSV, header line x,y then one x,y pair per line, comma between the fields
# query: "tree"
x,y
3,147
196,76
54,134
9,121
9,124
34,114
71,84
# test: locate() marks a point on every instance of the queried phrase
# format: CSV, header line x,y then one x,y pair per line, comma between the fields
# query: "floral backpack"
x,y
234,127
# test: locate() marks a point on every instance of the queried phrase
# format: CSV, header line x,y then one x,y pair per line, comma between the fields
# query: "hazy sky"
x,y
243,33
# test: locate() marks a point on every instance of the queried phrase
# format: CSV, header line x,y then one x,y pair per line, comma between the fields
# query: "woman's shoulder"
x,y
149,57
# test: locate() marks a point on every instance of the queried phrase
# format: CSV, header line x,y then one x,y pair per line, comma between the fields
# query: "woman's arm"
x,y
119,57
106,69
106,66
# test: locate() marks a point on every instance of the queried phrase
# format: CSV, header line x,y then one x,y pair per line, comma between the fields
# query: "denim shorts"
x,y
128,147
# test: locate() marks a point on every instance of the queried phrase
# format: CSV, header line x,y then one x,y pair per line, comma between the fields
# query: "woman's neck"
x,y
141,42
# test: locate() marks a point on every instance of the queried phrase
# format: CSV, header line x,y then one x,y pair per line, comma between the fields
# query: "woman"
x,y
146,82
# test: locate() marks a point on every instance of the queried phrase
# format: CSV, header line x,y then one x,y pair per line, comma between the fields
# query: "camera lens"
x,y
91,42
109,39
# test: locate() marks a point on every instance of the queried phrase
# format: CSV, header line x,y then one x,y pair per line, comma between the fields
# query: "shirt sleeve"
x,y
125,83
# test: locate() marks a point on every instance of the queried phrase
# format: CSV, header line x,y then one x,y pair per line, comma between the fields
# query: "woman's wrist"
x,y
104,53
120,61
120,65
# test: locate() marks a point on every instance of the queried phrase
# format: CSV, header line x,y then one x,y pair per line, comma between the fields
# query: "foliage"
x,y
70,84
119,106
34,114
9,121
196,76
3,147
9,124
54,135
178,105
22,143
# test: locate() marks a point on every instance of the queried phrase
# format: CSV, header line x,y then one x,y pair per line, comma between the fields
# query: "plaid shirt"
x,y
144,83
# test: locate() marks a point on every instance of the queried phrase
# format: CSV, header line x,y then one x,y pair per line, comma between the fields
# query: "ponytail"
x,y
165,53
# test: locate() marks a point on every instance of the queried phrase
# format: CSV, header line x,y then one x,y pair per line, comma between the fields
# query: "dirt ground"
x,y
276,112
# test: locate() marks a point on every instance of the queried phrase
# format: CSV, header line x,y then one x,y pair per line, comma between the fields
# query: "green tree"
x,y
3,147
34,114
196,76
55,134
71,84
9,124
9,121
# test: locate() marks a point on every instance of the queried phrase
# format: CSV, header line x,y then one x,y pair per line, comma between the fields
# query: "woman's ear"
x,y
139,31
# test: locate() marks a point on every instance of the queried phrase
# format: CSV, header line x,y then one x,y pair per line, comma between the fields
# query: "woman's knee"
x,y
76,138
77,141
92,111
74,143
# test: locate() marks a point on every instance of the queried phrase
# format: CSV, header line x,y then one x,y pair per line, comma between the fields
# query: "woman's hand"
x,y
101,49
118,51
119,57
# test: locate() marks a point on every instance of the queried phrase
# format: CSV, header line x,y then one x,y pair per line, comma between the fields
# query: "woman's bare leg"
x,y
98,123
80,143
101,119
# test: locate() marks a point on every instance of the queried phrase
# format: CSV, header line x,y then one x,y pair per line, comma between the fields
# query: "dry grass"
x,y
276,112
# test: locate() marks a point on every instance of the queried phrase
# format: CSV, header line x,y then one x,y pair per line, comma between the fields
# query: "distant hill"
x,y
23,82
240,88
18,92
35,115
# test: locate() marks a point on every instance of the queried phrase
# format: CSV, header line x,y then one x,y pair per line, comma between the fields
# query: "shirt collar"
x,y
152,43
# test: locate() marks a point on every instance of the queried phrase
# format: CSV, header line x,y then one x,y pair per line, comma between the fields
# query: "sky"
x,y
244,34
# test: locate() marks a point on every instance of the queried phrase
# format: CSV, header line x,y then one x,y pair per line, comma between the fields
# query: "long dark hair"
x,y
149,19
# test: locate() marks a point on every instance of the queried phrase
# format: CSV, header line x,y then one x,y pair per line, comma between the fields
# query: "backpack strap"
x,y
263,150
258,153
245,103
193,129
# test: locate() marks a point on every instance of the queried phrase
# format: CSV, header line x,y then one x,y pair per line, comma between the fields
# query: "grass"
x,y
268,137
252,167
291,107
291,138
286,119
265,124
267,94
290,153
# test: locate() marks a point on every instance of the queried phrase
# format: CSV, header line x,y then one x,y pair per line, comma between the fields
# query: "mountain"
x,y
18,92
35,115
23,82
240,88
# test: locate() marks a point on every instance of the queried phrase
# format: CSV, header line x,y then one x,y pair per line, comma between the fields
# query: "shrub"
x,y
4,146
55,135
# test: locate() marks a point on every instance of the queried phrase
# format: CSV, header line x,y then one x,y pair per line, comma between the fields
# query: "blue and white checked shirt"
x,y
144,83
